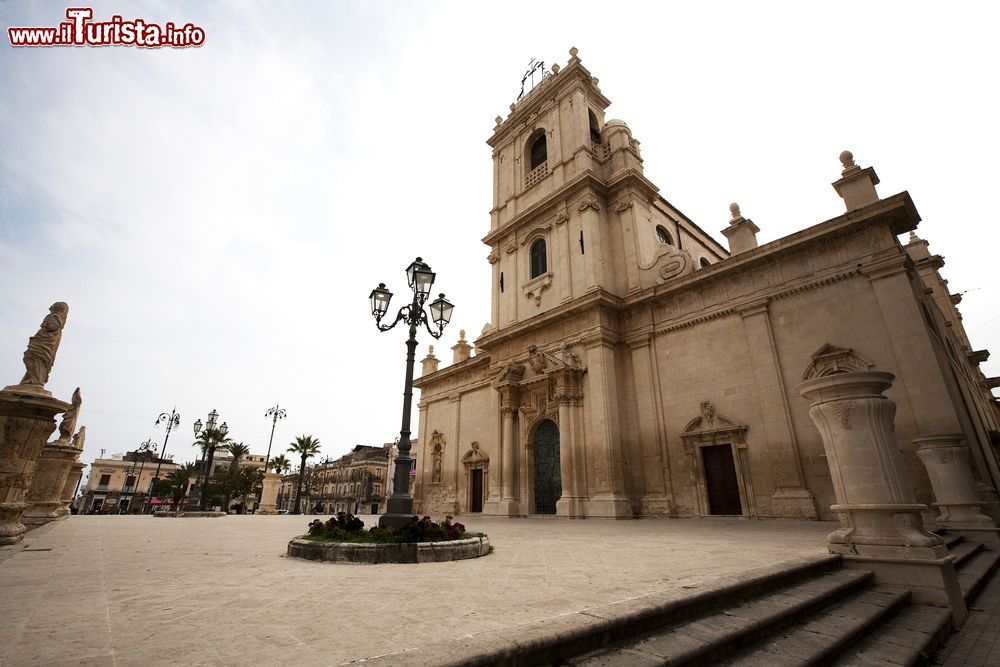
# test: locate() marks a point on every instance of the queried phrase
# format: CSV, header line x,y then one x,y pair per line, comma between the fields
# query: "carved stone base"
x,y
26,422
44,497
930,580
883,526
656,504
571,508
793,503
502,508
269,493
610,506
30,389
75,473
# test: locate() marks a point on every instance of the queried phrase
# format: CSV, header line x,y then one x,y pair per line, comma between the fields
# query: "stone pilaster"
x,y
69,488
958,501
45,495
882,529
27,419
569,396
269,493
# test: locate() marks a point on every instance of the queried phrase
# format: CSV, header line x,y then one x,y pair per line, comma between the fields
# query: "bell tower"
x,y
573,214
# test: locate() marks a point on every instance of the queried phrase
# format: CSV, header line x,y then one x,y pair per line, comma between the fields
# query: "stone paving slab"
x,y
137,590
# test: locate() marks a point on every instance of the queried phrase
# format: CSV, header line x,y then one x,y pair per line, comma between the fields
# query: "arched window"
x,y
538,263
663,235
595,130
704,263
539,151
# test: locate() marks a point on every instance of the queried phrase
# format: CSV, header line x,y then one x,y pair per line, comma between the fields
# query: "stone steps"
x,y
974,572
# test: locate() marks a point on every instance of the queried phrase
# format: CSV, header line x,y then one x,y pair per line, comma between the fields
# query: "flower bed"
x,y
344,539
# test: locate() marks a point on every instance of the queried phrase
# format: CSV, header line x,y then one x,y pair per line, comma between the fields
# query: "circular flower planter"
x,y
410,552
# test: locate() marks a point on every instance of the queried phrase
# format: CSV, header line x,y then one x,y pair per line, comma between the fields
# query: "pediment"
x,y
710,421
475,455
834,360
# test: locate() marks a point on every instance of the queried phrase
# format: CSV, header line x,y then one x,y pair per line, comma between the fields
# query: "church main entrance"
x,y
720,480
548,480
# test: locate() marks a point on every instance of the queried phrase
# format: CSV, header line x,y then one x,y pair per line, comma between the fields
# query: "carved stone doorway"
x,y
548,479
720,480
476,490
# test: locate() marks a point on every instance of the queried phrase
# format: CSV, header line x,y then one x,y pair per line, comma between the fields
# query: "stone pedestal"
x,y
610,505
45,495
75,473
269,493
958,499
882,529
27,419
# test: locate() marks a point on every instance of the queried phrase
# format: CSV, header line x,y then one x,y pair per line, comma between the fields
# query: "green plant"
x,y
348,528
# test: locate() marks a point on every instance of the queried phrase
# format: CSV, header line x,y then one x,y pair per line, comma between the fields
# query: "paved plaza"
x,y
137,590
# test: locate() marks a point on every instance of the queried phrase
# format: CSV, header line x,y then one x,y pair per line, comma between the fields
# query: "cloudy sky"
x,y
217,216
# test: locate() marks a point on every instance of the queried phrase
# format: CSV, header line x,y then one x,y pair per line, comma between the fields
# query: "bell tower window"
x,y
539,151
663,236
595,130
538,261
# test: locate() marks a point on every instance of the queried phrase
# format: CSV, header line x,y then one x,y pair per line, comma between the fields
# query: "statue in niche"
x,y
68,423
42,347
436,475
80,437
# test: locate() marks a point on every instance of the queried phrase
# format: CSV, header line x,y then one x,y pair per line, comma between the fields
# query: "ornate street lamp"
x,y
275,414
171,420
213,436
143,450
399,507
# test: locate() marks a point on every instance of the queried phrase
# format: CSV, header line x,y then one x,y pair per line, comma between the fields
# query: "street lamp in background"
x,y
171,420
275,414
144,450
399,507
213,436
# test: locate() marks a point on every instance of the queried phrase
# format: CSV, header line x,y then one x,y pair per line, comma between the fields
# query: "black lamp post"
x,y
171,420
143,450
399,507
213,437
275,414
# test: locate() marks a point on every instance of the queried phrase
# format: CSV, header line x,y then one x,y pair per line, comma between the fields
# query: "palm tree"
x,y
280,463
237,450
178,481
208,440
305,446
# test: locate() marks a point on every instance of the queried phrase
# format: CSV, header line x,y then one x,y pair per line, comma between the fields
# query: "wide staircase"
x,y
816,613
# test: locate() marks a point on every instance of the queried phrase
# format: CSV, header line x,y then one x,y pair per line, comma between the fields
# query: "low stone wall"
x,y
412,552
189,515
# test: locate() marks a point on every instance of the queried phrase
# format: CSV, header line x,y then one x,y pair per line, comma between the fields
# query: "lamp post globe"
x,y
420,278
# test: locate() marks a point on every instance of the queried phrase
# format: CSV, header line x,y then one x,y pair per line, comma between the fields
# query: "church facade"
x,y
633,366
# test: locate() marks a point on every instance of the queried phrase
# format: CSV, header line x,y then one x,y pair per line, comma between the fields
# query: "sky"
x,y
216,217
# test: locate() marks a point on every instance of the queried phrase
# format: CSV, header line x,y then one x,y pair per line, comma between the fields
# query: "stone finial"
x,y
498,120
856,185
734,209
555,68
462,349
847,159
512,107
429,364
573,51
741,233
594,80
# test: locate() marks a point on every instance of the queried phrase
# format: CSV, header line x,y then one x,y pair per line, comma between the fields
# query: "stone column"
x,y
572,503
75,473
269,493
45,495
882,529
508,497
947,461
27,419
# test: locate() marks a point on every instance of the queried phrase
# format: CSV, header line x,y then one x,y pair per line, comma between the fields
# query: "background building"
x,y
120,484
